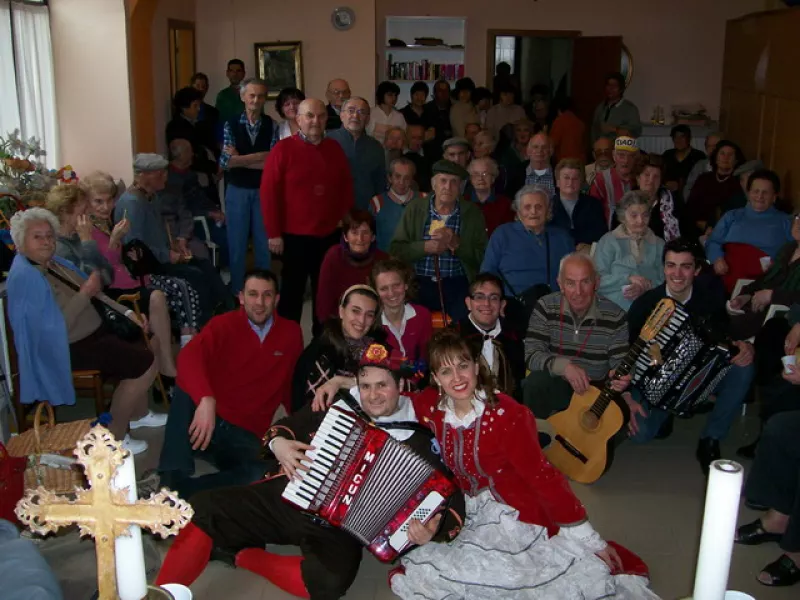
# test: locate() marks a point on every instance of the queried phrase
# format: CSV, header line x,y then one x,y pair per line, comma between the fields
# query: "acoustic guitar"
x,y
581,445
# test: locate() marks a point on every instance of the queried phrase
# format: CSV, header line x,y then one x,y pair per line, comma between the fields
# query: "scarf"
x,y
490,347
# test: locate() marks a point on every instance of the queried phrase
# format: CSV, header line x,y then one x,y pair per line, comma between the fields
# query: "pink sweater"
x,y
122,279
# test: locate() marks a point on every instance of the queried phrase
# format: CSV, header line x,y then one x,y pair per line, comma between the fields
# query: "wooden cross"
x,y
102,511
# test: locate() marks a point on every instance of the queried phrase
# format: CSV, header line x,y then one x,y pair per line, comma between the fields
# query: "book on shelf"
x,y
423,70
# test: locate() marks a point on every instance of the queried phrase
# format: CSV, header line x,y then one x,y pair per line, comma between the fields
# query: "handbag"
x,y
145,262
519,307
12,483
113,320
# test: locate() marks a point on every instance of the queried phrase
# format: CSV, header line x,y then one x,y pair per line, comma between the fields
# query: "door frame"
x,y
491,34
172,26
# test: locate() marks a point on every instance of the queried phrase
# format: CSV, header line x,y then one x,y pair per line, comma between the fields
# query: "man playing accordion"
x,y
239,521
682,263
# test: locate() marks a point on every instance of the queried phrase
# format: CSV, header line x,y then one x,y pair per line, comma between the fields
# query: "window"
x,y
27,84
505,47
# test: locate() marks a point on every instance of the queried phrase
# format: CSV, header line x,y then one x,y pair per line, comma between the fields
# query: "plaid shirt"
x,y
228,138
545,181
449,264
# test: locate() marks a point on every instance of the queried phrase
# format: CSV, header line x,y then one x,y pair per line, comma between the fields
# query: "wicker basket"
x,y
50,438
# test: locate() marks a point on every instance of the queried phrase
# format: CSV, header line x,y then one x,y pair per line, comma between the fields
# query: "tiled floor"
x,y
651,501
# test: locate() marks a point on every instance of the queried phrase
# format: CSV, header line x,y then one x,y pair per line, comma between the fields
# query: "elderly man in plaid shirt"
x,y
444,238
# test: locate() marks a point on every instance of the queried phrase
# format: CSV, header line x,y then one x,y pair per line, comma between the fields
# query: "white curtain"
x,y
9,102
26,71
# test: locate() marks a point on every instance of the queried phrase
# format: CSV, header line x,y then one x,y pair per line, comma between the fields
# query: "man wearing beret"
x,y
141,205
444,238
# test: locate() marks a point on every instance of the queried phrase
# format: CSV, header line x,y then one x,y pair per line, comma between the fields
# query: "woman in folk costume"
x,y
526,536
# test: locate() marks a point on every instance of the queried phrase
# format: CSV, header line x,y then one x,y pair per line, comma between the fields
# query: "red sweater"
x,y
338,273
414,343
248,378
496,213
306,189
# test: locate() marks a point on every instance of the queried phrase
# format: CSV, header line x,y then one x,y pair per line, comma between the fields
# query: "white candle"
x,y
719,527
131,577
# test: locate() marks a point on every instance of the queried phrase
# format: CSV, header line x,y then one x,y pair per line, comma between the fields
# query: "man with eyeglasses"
x,y
337,92
364,153
501,346
603,151
306,190
575,339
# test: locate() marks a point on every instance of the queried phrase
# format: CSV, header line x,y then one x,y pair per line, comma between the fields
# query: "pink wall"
x,y
229,28
182,10
677,46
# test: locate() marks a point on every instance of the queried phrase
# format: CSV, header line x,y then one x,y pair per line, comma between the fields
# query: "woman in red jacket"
x,y
524,530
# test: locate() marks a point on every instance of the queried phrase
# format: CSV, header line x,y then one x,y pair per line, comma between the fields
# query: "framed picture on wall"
x,y
280,64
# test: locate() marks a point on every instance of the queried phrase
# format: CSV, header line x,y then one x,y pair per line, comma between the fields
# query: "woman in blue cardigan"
x,y
518,252
58,329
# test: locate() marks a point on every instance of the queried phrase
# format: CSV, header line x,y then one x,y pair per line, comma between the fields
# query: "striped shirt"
x,y
597,343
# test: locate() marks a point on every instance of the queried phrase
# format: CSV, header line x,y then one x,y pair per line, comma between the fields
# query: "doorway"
x,y
181,54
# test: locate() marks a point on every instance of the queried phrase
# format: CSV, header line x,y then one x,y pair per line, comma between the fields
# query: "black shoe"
x,y
707,452
748,451
666,428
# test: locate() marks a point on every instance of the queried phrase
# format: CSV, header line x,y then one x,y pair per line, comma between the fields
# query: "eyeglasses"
x,y
361,112
492,298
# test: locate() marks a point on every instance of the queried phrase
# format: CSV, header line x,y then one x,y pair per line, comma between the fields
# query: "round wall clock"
x,y
343,18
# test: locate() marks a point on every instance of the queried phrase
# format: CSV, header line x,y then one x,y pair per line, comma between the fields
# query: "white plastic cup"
x,y
731,595
789,360
766,263
181,592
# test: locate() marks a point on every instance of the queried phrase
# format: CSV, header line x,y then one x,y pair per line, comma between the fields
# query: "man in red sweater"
x,y
306,190
232,377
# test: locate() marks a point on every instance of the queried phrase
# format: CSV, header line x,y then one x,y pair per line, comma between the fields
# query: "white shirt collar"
x,y
408,313
405,412
487,350
689,297
478,406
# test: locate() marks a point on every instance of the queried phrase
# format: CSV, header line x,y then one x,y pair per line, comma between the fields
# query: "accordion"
x,y
679,367
363,481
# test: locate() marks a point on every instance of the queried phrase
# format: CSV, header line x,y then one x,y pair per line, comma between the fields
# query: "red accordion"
x,y
365,482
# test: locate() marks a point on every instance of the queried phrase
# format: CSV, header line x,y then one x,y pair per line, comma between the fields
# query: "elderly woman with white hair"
x,y
496,207
628,258
58,329
527,252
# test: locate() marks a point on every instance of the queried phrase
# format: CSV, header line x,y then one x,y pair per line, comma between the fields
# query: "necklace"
x,y
724,179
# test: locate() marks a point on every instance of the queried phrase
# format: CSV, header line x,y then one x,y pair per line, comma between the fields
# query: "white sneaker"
x,y
134,446
151,419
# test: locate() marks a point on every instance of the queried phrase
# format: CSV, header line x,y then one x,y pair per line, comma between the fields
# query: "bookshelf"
x,y
415,62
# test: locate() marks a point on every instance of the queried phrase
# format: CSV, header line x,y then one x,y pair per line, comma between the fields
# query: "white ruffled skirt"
x,y
498,556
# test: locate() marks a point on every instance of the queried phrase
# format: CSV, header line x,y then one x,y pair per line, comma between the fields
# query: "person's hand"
x,y
201,429
642,282
635,409
420,534
740,301
577,378
583,248
84,228
183,249
793,374
611,558
217,216
720,266
290,453
323,397
761,300
276,245
92,286
435,246
632,291
120,230
620,384
175,257
745,356
141,320
230,151
792,340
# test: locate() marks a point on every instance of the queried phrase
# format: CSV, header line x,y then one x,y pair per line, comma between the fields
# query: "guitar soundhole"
x,y
589,420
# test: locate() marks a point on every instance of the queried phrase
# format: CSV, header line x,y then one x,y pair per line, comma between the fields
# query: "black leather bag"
x,y
145,262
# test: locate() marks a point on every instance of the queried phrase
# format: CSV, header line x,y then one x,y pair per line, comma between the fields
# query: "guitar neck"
x,y
607,394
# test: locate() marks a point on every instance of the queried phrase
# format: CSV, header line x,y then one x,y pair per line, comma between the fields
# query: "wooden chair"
x,y
133,300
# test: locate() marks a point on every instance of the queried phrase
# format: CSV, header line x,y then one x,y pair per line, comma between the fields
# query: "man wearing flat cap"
x,y
444,238
140,204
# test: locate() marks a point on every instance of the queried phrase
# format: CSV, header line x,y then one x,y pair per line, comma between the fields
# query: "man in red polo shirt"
x,y
232,377
306,190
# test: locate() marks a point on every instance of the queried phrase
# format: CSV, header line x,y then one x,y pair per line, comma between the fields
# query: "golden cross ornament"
x,y
102,511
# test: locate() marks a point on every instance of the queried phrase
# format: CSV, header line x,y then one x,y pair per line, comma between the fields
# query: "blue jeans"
x,y
23,571
454,289
236,452
243,214
731,392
